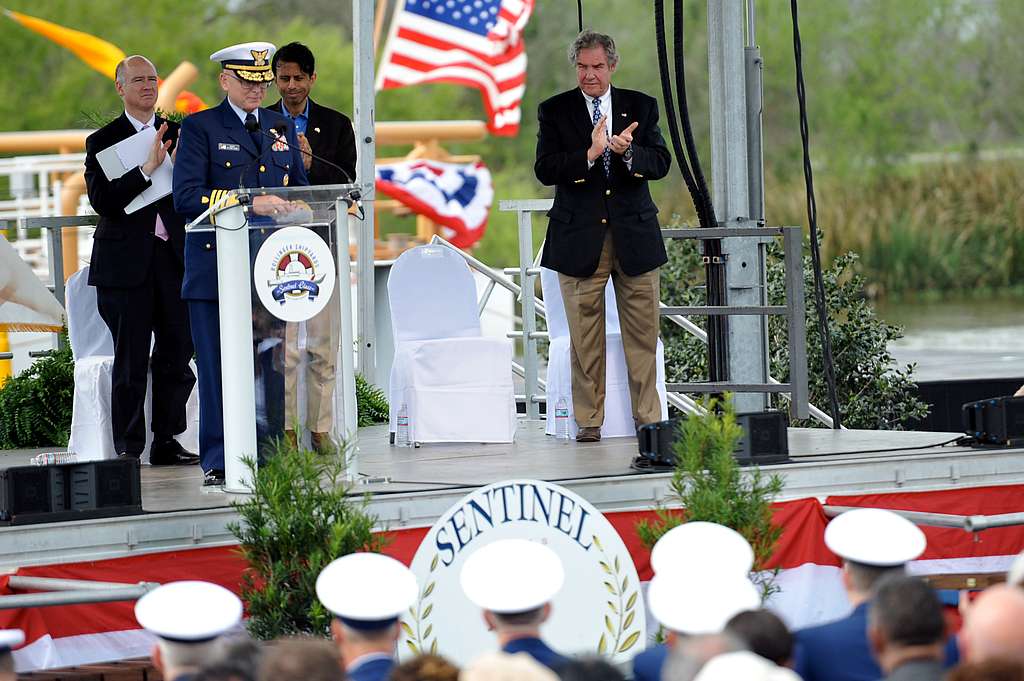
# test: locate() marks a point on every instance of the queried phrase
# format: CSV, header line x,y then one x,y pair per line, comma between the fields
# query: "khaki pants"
x,y
637,301
322,337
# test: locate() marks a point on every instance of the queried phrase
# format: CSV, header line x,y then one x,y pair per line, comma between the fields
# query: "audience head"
x,y
425,668
989,670
513,582
188,619
590,669
9,638
367,592
994,626
906,620
874,543
505,667
689,654
301,659
765,634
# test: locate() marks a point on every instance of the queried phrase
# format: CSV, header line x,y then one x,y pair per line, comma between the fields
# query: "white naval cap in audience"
x,y
367,591
10,638
746,666
874,536
700,546
510,576
1015,577
189,611
695,603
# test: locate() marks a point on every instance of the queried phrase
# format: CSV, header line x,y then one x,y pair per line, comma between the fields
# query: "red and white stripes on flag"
x,y
477,43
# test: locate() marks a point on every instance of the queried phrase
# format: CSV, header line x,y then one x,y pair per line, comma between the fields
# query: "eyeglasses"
x,y
249,86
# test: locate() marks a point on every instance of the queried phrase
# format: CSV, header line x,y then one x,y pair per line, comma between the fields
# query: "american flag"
x,y
471,42
456,196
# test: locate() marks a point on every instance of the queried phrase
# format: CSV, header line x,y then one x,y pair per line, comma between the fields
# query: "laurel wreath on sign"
x,y
621,608
417,638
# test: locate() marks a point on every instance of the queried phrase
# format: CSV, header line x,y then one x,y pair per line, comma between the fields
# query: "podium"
x,y
285,312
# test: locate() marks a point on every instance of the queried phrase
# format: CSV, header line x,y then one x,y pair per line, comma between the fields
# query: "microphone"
x,y
281,130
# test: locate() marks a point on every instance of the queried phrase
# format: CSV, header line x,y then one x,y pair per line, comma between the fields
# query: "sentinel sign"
x,y
599,610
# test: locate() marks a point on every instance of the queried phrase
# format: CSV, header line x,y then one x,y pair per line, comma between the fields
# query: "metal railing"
x,y
69,592
795,391
968,523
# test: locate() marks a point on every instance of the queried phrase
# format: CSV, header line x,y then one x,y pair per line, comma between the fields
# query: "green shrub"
x,y
710,486
35,405
371,402
299,518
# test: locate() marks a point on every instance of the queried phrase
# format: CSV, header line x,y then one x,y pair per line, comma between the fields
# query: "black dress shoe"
x,y
171,453
129,455
213,478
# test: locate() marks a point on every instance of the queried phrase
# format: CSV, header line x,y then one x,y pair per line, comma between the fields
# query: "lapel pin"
x,y
316,129
623,115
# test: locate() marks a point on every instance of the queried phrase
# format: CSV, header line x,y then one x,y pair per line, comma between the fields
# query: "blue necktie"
x,y
606,156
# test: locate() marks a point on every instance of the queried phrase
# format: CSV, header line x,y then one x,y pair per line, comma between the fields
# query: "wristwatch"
x,y
627,155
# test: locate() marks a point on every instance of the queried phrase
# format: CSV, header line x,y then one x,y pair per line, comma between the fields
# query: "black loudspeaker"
x,y
74,491
764,442
999,420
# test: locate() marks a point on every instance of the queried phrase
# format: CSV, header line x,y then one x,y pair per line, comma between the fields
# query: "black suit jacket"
x,y
586,202
123,243
330,136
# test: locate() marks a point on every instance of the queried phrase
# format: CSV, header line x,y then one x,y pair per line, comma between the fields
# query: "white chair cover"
x,y
618,411
455,383
93,349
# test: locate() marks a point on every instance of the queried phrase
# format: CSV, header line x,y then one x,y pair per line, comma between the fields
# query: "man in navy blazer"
x,y
229,146
874,544
600,146
513,581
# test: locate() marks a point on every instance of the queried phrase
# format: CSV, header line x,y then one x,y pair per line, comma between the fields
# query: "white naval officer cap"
x,y
10,638
691,603
510,576
248,61
189,611
874,536
702,547
367,591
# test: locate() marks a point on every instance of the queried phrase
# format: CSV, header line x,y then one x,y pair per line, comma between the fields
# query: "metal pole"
x,y
968,523
730,166
45,600
234,285
347,385
364,118
526,282
55,584
799,402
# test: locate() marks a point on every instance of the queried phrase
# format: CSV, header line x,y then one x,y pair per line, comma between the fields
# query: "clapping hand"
x,y
598,140
158,152
619,143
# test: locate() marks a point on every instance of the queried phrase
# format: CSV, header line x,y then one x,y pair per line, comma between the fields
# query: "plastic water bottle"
x,y
54,458
562,420
402,428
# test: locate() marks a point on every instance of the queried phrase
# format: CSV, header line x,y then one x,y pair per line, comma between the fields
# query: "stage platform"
x,y
425,481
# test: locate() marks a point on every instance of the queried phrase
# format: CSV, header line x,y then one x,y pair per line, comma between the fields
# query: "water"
x,y
960,339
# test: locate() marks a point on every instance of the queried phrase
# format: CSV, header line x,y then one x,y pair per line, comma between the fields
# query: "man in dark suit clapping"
x,y
599,146
137,265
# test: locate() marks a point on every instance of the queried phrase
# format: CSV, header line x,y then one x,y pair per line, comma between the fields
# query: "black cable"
x,y
714,267
670,108
579,14
956,440
812,219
